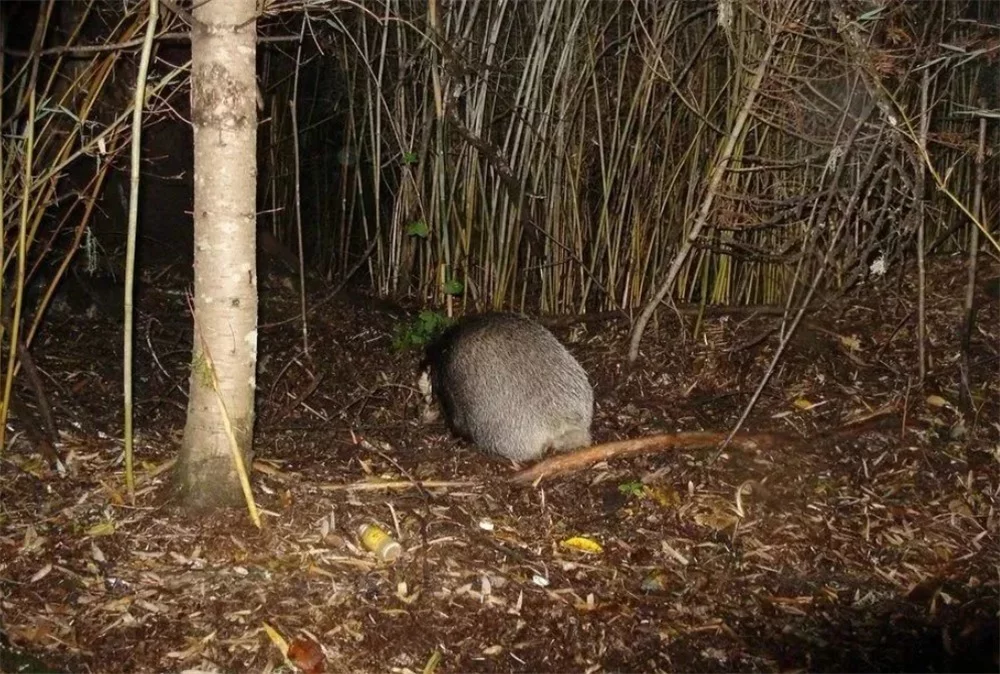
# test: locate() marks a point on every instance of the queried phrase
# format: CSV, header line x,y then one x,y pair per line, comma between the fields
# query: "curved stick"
x,y
569,462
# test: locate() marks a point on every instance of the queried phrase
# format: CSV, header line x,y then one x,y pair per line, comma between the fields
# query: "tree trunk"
x,y
224,118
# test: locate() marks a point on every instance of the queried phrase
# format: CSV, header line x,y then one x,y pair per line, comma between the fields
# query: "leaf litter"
x,y
867,542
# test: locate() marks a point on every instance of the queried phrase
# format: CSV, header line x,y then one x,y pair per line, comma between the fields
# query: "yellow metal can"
x,y
377,540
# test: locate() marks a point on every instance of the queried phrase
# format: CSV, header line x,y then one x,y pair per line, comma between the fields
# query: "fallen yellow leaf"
x,y
276,639
583,545
851,343
802,404
105,528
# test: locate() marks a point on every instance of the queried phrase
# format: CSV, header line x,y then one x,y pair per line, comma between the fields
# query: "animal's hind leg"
x,y
570,439
517,447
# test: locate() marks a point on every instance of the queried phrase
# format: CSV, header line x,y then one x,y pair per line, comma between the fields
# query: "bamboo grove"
x,y
552,156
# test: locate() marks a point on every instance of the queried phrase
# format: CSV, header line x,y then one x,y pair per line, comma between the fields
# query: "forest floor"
x,y
866,541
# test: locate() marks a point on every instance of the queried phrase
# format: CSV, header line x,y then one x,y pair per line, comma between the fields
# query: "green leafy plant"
x,y
418,332
453,287
633,488
418,228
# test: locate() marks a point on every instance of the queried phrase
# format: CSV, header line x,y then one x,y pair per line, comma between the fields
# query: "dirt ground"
x,y
867,541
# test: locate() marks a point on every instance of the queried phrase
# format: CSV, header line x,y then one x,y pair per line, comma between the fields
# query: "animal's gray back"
x,y
506,383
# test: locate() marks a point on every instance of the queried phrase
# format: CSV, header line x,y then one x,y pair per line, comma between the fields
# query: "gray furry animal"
x,y
507,384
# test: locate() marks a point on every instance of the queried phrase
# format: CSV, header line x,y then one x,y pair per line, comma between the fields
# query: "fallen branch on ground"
x,y
582,458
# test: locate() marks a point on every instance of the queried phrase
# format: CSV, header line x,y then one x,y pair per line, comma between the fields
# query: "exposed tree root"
x,y
579,459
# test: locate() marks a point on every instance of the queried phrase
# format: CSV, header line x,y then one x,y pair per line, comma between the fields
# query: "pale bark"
x,y
224,118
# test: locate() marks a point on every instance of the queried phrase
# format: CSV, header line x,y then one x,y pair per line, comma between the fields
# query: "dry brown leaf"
x,y
716,519
307,656
667,497
925,590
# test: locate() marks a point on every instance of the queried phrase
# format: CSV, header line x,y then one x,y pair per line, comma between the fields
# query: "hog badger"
x,y
508,385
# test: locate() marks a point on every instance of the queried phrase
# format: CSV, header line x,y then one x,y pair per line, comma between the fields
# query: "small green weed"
x,y
632,488
420,331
